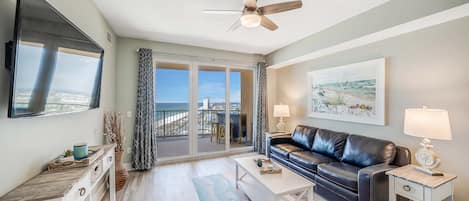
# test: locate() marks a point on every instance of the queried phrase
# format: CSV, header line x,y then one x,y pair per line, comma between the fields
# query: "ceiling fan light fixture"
x,y
251,20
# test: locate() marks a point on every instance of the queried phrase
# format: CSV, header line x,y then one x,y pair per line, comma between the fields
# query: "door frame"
x,y
193,63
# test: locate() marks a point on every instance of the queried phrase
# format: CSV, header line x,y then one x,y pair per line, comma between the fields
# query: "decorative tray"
x,y
268,167
61,163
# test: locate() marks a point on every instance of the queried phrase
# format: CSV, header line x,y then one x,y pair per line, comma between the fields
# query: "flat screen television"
x,y
55,67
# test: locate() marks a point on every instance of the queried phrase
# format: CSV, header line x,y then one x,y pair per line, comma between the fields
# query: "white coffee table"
x,y
271,187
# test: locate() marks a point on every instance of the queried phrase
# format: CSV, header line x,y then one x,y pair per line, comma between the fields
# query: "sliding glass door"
x,y
241,107
172,89
202,109
211,118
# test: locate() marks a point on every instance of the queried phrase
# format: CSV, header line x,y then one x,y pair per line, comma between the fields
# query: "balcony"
x,y
172,129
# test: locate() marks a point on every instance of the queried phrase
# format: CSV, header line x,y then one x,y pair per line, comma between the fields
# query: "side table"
x,y
412,184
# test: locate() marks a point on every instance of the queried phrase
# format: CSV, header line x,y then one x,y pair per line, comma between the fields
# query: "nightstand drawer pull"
x,y
406,188
82,191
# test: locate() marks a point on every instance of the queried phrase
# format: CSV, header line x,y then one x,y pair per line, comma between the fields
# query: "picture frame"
x,y
352,93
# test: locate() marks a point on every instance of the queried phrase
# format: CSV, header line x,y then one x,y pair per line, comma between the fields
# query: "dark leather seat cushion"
x,y
364,151
329,143
309,160
343,174
283,150
304,136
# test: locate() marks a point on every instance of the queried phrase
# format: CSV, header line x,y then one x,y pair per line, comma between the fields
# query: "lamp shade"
x,y
427,123
281,111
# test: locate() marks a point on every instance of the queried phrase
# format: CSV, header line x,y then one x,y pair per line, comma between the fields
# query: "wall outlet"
x,y
129,114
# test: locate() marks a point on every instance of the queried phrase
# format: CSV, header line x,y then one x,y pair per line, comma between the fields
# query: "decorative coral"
x,y
114,130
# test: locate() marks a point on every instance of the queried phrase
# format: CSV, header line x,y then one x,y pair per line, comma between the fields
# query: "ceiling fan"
x,y
254,16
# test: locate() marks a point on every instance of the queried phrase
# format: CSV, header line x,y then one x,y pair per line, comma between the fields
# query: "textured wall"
x,y
28,144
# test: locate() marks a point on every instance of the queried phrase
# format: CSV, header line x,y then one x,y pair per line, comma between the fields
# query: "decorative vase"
x,y
121,172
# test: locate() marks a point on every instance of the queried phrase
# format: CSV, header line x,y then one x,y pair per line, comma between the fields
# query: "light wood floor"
x,y
173,182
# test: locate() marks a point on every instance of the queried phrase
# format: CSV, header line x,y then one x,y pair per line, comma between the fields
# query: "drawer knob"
x,y
82,191
406,188
109,158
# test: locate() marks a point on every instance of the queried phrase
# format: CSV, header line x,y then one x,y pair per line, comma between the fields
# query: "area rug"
x,y
215,188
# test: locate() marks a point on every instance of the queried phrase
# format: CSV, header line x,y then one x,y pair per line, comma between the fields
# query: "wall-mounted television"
x,y
55,67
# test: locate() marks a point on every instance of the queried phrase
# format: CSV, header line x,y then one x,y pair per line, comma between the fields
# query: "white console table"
x,y
77,184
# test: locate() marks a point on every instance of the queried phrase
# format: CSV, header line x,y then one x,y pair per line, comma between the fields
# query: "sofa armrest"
x,y
373,184
277,139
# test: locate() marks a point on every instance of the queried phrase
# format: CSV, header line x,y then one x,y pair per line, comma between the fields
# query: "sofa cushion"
x,y
329,143
283,150
304,136
342,174
364,151
309,160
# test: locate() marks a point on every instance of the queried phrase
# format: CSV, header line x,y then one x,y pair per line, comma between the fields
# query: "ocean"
x,y
172,106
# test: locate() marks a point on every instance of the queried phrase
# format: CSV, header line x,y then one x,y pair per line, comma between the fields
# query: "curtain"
x,y
262,115
144,142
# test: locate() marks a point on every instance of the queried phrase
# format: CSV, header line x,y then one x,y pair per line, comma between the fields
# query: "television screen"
x,y
56,68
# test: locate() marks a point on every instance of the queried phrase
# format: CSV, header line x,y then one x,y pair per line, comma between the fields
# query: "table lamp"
x,y
281,111
427,124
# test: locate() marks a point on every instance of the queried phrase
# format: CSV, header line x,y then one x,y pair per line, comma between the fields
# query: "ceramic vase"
x,y
121,172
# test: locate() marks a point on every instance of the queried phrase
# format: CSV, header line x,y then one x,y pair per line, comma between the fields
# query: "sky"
x,y
173,86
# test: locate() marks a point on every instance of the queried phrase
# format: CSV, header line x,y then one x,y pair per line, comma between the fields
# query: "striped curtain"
x,y
262,115
144,142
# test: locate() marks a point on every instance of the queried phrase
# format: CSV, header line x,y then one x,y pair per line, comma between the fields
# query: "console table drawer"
x,y
409,189
80,190
96,170
108,160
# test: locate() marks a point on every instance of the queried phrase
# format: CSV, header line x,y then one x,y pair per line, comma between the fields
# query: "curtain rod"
x,y
231,62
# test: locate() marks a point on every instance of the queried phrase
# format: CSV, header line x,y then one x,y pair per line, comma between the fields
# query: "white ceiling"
x,y
182,22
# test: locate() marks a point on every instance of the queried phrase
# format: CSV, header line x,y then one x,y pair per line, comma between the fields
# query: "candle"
x,y
80,151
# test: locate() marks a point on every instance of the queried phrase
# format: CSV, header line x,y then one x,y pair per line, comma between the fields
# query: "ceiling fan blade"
x,y
280,7
235,25
250,3
223,12
267,23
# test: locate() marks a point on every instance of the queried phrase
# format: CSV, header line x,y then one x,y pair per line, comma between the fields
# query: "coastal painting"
x,y
354,93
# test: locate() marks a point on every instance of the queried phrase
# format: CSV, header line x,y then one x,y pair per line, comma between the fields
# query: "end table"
x,y
412,184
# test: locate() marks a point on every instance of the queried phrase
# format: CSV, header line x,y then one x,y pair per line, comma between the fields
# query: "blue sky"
x,y
173,86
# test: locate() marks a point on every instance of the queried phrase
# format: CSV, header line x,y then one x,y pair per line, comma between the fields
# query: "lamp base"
x,y
430,172
281,125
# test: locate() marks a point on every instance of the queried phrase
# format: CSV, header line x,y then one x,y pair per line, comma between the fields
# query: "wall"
x,y
390,14
29,143
127,73
427,67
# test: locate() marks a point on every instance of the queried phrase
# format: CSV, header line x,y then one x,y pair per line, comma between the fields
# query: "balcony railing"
x,y
175,123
